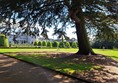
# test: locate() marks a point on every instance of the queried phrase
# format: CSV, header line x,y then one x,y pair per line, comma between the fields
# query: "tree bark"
x,y
76,14
83,41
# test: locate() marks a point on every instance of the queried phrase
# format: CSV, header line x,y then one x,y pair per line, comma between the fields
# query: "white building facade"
x,y
22,39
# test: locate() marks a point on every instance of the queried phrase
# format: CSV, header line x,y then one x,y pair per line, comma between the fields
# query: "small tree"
x,y
44,43
55,44
36,43
116,44
4,41
39,43
67,45
49,44
74,45
61,44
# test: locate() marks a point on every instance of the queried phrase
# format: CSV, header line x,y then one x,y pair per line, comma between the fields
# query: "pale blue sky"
x,y
68,31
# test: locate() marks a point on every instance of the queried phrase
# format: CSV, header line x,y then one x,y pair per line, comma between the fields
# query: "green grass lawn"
x,y
58,64
110,53
62,65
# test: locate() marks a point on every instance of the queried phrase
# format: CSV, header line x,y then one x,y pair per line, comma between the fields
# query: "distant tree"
x,y
49,44
3,41
55,44
61,44
44,43
67,45
103,44
97,44
39,43
116,44
74,45
36,43
106,41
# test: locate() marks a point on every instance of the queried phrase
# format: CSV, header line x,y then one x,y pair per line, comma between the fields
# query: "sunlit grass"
x,y
25,50
57,64
64,66
110,53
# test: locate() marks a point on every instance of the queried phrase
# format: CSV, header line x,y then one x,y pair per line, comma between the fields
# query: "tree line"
x,y
55,44
105,44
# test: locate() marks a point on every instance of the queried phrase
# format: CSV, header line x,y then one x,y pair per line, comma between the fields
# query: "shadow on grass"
x,y
76,65
114,57
58,64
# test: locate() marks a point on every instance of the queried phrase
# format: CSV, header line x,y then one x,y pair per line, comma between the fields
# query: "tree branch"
x,y
73,15
67,4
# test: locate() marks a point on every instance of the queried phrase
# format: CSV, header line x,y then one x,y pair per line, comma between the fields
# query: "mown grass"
x,y
58,64
62,65
110,53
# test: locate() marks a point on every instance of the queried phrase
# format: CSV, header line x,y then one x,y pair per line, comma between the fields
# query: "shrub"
x,y
70,43
4,41
49,44
74,45
44,43
36,43
55,44
61,45
67,45
39,43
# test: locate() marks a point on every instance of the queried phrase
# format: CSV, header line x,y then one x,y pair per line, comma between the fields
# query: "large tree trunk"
x,y
76,14
83,40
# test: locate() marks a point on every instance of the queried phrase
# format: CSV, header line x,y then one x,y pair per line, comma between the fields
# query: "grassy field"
x,y
58,64
38,50
110,53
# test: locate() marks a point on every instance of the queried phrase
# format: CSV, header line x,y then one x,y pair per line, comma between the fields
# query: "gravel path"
x,y
15,71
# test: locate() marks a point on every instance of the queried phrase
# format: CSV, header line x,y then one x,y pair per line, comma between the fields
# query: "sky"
x,y
68,31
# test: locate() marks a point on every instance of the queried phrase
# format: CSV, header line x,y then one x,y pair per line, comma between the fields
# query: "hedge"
x,y
3,41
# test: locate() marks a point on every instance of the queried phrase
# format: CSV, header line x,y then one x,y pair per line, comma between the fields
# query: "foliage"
x,y
39,43
61,32
116,44
55,44
3,41
104,44
44,33
44,43
61,44
36,43
67,45
58,9
74,45
49,44
97,44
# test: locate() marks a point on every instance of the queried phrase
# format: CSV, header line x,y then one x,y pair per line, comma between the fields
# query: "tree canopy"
x,y
99,13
